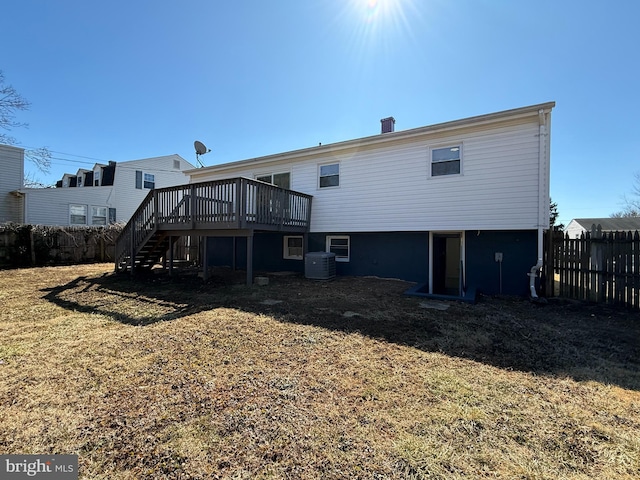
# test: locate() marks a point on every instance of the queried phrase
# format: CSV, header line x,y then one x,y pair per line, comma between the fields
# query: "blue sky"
x,y
124,80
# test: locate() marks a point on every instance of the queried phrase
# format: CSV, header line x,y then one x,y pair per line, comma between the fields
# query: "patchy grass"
x,y
184,380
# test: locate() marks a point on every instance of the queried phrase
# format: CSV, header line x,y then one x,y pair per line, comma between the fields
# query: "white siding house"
x,y
112,195
11,180
458,204
579,226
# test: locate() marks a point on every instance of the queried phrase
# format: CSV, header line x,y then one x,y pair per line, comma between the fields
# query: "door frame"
x,y
463,272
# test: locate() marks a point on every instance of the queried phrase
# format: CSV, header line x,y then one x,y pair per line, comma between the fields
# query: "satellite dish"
x,y
200,150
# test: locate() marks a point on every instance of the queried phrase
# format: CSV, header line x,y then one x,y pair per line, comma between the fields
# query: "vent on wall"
x,y
320,265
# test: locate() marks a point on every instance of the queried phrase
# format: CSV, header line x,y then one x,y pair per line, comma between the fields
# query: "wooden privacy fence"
x,y
37,245
601,267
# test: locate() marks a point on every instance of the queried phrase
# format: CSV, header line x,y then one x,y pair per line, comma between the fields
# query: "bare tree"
x,y
31,181
631,201
11,102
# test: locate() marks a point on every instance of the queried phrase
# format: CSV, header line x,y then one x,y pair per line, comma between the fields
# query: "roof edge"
x,y
387,137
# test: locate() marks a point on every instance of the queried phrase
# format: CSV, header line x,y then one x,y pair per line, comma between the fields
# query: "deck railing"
x,y
231,204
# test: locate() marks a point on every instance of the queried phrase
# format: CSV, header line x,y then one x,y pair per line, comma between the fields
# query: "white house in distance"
x,y
458,206
104,194
11,180
578,226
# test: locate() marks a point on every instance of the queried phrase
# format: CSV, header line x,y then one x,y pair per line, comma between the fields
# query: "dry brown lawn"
x,y
348,379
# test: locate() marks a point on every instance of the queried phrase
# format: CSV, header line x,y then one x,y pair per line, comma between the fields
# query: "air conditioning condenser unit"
x,y
320,265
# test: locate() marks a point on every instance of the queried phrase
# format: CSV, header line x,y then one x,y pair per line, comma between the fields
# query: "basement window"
x,y
340,245
445,161
293,247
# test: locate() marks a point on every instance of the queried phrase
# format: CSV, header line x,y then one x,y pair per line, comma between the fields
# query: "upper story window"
x,y
329,175
146,180
282,180
149,180
96,178
446,161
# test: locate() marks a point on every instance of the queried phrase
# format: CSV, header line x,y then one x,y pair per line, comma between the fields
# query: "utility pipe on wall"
x,y
542,198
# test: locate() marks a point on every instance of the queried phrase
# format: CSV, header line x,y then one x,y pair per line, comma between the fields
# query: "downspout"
x,y
542,200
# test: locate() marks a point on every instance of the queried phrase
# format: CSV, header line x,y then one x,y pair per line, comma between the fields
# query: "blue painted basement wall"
x,y
403,255
267,253
391,255
519,250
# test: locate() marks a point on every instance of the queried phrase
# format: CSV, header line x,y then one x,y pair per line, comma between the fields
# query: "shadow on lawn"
x,y
140,302
584,342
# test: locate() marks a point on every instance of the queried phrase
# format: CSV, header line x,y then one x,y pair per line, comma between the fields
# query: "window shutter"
x,y
139,179
112,215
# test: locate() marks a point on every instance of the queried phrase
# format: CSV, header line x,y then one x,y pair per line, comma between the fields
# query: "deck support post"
x,y
233,253
250,259
172,240
205,270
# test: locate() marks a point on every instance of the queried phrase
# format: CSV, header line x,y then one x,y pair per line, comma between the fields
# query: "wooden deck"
x,y
230,207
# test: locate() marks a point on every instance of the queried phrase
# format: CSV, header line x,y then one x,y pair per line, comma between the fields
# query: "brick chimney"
x,y
388,124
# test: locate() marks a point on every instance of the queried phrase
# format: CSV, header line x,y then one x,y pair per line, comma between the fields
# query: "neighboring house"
x,y
578,226
11,180
104,194
459,206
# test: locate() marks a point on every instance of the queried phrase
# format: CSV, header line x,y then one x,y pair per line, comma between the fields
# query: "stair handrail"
x,y
125,243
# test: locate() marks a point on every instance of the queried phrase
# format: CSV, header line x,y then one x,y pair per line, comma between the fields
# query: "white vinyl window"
x,y
293,247
99,215
149,180
145,180
340,245
77,214
282,180
446,161
329,175
96,178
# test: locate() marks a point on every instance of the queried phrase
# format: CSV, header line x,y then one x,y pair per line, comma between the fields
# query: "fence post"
x,y
548,267
101,249
636,270
32,246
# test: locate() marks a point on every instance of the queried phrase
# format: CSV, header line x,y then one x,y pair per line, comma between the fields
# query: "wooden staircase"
x,y
152,252
230,207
